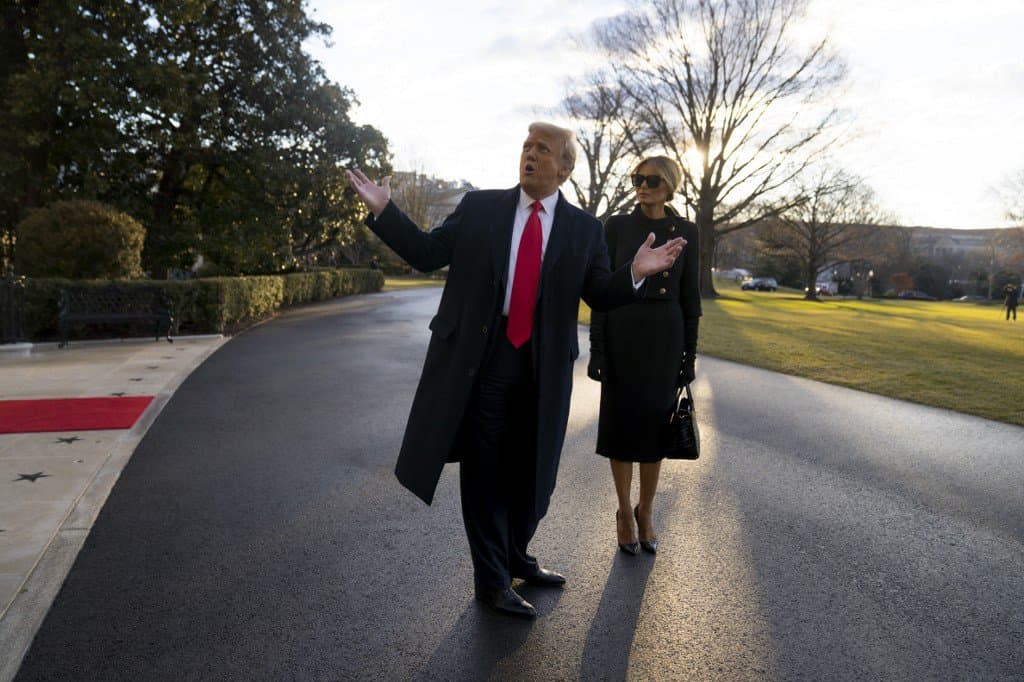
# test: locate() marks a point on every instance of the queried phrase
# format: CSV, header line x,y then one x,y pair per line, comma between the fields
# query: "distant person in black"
x,y
1012,296
643,352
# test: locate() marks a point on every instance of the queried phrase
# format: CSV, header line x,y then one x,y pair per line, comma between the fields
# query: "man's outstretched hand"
x,y
376,197
648,261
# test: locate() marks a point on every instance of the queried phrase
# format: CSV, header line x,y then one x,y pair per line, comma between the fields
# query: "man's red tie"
x,y
524,284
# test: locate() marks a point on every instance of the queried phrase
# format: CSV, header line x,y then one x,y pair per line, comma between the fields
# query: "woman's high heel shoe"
x,y
648,545
631,548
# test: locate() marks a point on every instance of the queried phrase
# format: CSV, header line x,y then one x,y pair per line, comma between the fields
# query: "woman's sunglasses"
x,y
653,181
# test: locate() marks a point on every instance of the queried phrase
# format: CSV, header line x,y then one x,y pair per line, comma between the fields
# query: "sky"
x,y
935,94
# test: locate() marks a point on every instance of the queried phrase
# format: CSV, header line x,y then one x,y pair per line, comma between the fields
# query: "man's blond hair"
x,y
567,137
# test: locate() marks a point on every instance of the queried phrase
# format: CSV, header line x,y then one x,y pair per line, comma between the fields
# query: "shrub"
x,y
79,240
326,283
213,305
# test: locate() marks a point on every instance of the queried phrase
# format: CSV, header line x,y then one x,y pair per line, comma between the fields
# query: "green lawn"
x,y
962,356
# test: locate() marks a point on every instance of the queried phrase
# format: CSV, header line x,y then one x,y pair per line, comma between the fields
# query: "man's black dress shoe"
x,y
507,601
542,577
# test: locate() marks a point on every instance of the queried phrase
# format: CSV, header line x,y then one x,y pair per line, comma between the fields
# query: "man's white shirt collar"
x,y
548,202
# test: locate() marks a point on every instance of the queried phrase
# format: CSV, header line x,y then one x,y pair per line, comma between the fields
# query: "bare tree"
x,y
426,199
827,226
610,137
1005,251
356,245
1011,193
729,89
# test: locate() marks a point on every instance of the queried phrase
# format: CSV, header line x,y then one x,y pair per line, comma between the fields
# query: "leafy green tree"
x,y
205,119
244,136
64,89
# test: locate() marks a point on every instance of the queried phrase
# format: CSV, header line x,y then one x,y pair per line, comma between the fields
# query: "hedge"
x,y
211,305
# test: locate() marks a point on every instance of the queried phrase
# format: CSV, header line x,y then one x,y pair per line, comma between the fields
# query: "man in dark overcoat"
x,y
494,393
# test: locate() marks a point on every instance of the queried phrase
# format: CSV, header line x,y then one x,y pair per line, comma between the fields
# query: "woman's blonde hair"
x,y
667,168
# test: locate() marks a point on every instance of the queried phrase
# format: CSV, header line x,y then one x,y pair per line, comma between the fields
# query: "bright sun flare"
x,y
693,159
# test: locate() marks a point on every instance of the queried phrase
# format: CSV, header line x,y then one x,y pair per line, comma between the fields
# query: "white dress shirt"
x,y
547,218
523,211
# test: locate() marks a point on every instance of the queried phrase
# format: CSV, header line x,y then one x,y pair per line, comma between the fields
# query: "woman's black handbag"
x,y
682,437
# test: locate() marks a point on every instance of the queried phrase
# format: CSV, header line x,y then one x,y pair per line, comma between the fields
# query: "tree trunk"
x,y
705,220
811,277
812,266
35,176
160,247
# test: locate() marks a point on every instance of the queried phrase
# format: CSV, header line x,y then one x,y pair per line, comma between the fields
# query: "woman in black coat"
x,y
642,353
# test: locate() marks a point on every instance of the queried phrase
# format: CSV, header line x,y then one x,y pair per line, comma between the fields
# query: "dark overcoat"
x,y
642,345
474,243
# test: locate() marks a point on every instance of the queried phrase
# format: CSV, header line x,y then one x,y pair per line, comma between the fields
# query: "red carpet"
x,y
71,414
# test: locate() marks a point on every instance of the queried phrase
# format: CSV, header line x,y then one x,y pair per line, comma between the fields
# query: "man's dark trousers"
x,y
496,476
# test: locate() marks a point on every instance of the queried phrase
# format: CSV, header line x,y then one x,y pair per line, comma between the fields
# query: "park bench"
x,y
114,304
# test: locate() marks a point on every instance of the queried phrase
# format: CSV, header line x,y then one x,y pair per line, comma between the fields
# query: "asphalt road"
x,y
258,534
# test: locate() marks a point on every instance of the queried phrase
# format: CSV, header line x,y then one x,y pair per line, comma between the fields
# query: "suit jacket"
x,y
474,242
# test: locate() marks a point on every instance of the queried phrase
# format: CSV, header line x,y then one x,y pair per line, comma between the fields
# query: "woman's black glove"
x,y
688,372
596,368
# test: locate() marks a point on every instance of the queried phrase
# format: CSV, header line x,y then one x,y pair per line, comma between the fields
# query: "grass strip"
x,y
399,282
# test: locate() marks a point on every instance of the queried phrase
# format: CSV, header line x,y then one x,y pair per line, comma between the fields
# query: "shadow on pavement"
x,y
544,599
480,640
606,651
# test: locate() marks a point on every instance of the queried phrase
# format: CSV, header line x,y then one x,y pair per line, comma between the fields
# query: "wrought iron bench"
x,y
12,308
114,304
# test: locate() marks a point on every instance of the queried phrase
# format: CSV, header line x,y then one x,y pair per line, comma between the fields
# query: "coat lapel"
x,y
557,242
501,234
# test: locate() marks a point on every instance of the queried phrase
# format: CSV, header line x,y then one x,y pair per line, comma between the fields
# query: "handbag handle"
x,y
679,393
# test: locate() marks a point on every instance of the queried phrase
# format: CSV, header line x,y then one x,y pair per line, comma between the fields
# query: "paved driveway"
x,y
258,533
